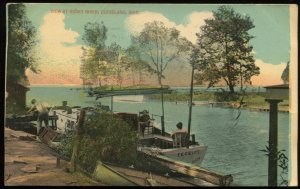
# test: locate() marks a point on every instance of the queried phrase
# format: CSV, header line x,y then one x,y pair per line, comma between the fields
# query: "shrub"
x,y
65,146
105,137
226,97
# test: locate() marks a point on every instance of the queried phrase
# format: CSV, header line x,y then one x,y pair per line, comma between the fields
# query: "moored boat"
x,y
122,176
154,138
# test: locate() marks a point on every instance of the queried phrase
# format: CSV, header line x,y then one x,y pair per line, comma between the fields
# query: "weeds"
x,y
282,163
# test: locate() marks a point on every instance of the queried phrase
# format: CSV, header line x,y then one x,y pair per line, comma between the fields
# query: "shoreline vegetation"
x,y
254,101
251,100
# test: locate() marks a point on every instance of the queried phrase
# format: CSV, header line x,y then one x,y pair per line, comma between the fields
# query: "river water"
x,y
233,146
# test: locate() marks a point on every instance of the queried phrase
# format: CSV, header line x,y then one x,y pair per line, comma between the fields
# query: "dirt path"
x,y
29,162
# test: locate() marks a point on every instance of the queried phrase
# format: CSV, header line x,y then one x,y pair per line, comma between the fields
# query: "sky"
x,y
60,29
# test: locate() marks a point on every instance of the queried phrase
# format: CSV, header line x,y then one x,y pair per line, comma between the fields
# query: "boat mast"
x,y
190,105
163,114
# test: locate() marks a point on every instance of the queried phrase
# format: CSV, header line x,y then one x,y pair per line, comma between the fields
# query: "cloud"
x,y
135,23
59,56
270,74
195,20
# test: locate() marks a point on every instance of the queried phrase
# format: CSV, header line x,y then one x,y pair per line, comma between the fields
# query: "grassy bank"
x,y
248,101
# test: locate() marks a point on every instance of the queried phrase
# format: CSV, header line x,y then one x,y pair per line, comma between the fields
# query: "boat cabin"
x,y
151,135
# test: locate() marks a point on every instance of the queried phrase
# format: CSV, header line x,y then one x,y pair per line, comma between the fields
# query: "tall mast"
x,y
163,113
190,105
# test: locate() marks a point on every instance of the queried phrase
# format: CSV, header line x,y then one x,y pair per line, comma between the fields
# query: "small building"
x,y
278,91
16,95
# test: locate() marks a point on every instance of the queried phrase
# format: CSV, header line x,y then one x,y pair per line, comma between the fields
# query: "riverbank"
x,y
29,162
250,101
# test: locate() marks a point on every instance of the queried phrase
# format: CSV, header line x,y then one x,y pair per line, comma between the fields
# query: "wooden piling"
x,y
273,140
57,162
79,131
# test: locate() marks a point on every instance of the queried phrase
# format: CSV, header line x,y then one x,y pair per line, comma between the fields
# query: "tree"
x,y
94,68
95,35
114,55
134,63
94,55
20,57
159,46
285,74
224,49
21,40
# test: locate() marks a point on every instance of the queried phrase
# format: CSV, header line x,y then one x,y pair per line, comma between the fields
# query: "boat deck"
x,y
156,140
155,136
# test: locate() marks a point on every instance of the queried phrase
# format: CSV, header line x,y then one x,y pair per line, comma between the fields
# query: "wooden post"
x,y
162,126
163,114
79,131
190,107
57,162
273,135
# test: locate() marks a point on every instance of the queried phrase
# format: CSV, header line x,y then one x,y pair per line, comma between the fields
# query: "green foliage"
x,y
285,74
249,98
66,143
21,40
105,137
159,46
95,35
226,97
13,108
282,163
100,62
223,50
133,62
115,54
94,64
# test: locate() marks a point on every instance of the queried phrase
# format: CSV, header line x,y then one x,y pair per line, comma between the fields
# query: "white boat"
x,y
67,119
152,141
130,98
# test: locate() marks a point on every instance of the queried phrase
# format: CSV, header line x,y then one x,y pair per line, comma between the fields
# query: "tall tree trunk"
x,y
120,79
231,88
241,77
132,75
159,79
140,78
99,81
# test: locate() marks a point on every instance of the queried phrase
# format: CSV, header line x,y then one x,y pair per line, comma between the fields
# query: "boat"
x,y
154,138
158,152
67,119
116,175
132,99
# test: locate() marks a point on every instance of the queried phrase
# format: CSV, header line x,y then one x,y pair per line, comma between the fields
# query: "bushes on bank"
x,y
105,137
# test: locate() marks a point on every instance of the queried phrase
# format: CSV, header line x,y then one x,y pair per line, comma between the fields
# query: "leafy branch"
x,y
283,164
